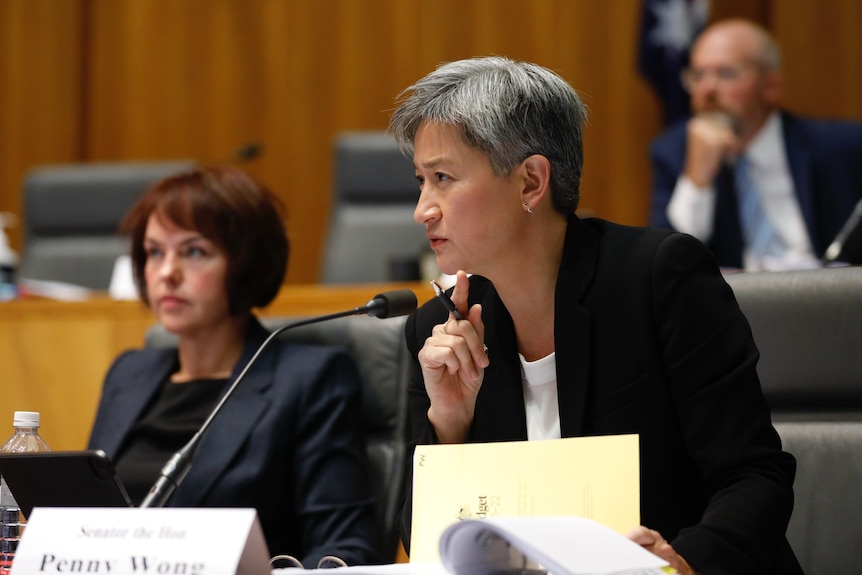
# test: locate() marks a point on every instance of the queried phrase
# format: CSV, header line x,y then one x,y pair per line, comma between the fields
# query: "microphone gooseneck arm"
x,y
388,304
837,246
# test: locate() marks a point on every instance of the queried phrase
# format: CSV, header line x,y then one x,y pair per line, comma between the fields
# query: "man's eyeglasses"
x,y
693,77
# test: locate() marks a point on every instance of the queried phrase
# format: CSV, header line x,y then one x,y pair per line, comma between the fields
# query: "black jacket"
x,y
288,442
649,339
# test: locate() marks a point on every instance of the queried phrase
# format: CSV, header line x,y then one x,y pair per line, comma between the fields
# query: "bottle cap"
x,y
26,419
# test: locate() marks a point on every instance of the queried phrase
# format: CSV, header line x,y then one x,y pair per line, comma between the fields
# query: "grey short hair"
x,y
506,109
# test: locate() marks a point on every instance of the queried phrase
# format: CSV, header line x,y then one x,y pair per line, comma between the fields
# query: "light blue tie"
x,y
756,227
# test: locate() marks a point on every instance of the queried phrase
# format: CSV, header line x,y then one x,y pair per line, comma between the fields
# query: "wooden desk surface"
x,y
54,355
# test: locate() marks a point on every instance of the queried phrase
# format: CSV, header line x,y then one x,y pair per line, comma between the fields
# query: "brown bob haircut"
x,y
232,210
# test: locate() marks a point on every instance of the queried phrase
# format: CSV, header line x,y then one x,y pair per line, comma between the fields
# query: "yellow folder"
x,y
593,477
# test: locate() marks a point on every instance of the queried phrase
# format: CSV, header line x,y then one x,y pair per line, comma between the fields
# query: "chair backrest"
x,y
826,526
808,327
381,354
371,226
71,213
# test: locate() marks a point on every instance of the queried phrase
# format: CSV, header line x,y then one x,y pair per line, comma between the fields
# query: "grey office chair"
x,y
71,213
371,229
381,354
806,324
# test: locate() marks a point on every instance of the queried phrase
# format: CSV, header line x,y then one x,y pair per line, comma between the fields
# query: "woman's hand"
x,y
653,542
453,362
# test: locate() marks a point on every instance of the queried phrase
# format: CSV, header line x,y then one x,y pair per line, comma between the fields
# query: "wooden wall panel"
x,y
91,80
41,83
822,53
198,78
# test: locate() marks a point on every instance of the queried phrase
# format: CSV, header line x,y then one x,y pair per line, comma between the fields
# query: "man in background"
x,y
764,189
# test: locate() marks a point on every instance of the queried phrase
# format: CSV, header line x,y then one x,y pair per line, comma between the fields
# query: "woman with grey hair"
x,y
650,336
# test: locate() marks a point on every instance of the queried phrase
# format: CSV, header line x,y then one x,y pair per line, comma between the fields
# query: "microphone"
x,y
837,245
388,304
249,151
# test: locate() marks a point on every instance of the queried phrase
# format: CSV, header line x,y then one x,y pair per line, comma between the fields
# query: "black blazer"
x,y
288,442
649,340
825,161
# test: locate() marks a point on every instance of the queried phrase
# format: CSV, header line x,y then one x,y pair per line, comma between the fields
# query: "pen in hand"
x,y
450,305
447,301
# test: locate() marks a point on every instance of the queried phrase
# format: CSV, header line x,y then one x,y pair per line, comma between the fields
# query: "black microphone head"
x,y
248,152
392,303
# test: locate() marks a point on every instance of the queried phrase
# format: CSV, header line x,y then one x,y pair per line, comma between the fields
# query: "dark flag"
x,y
668,28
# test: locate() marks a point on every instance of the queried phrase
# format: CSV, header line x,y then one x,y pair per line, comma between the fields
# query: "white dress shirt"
x,y
691,208
540,397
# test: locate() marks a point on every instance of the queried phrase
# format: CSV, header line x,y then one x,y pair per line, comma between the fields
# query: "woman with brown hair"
x,y
208,246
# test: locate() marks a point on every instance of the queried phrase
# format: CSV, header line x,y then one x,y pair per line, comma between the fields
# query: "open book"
x,y
561,545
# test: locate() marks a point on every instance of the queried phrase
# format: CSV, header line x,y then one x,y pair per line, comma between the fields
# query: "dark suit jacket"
x,y
649,340
825,160
288,442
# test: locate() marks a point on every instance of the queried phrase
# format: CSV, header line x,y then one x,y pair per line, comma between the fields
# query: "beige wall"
x,y
91,80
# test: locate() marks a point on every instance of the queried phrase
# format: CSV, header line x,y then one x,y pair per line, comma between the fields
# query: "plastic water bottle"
x,y
25,439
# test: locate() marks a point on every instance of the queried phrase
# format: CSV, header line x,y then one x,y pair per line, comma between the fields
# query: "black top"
x,y
176,414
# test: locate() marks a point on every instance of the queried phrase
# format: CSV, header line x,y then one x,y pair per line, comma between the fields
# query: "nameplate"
x,y
139,541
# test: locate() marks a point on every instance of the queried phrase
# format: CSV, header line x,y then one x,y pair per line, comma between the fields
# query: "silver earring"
x,y
527,208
